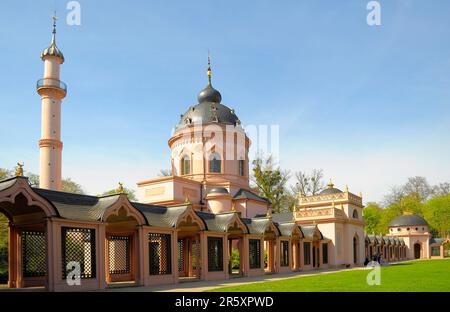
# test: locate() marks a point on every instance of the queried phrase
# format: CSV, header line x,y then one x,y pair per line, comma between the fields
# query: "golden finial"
x,y
187,201
346,188
209,72
55,18
233,207
330,184
360,194
120,188
19,169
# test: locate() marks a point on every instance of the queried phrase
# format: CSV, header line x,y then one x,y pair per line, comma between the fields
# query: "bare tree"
x,y
418,185
164,173
309,184
442,189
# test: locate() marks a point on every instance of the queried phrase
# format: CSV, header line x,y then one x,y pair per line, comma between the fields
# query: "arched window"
x,y
355,214
215,163
186,165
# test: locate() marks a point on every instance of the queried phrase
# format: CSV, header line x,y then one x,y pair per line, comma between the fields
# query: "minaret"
x,y
52,91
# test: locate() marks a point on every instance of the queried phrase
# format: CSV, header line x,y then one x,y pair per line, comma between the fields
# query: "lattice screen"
x,y
159,246
254,253
180,255
284,261
215,254
119,249
78,245
33,254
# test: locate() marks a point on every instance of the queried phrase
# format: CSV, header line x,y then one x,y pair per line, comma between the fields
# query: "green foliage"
x,y
130,193
437,213
270,181
235,261
372,216
4,173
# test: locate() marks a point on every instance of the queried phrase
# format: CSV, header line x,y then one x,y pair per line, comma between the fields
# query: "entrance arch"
x,y
122,245
236,232
29,252
417,250
189,245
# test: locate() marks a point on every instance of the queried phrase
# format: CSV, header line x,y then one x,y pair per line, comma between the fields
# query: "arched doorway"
x,y
122,245
236,249
355,249
417,250
27,254
189,247
270,249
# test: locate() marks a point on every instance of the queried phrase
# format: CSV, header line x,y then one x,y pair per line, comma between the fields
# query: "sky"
x,y
370,105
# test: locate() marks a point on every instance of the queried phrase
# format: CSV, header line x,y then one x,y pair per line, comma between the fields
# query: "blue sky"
x,y
369,105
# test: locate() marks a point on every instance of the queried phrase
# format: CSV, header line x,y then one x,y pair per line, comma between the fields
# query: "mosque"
x,y
203,222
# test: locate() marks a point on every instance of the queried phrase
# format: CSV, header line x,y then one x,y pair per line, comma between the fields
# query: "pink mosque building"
x,y
186,226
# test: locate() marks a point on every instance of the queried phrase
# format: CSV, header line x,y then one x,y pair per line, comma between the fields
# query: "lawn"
x,y
411,276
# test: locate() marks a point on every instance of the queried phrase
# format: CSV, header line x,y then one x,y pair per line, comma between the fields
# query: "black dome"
x,y
218,190
209,94
406,220
330,190
209,110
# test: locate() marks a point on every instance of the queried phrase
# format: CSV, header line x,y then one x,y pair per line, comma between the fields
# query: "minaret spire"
x,y
55,18
209,72
52,90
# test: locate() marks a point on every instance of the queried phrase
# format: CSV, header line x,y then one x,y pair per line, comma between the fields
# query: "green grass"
x,y
412,276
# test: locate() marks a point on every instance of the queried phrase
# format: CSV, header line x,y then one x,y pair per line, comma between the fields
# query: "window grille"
x,y
284,261
78,245
325,253
215,254
119,249
33,254
307,253
254,248
159,246
180,255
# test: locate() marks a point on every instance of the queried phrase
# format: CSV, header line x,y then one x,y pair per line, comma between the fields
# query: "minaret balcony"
x,y
51,84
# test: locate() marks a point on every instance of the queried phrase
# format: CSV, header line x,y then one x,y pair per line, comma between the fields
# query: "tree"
x,y
67,185
130,193
372,217
4,173
270,181
164,173
418,185
437,213
309,184
442,189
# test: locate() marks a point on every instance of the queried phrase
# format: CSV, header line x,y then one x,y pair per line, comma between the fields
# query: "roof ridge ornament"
x,y
120,189
19,169
330,184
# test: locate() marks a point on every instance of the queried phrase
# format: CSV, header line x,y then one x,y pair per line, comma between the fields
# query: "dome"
x,y
330,189
209,109
209,112
218,190
408,220
209,94
52,50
